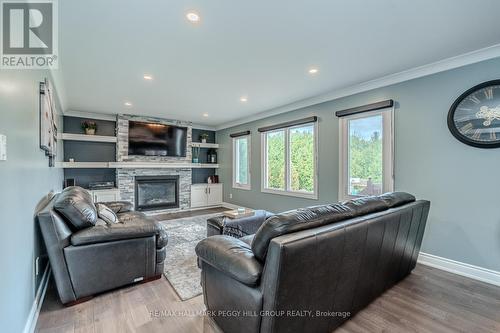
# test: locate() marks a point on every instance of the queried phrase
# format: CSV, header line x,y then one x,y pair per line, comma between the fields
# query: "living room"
x,y
250,167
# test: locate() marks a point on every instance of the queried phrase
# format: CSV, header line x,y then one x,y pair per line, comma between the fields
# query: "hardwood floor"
x,y
429,300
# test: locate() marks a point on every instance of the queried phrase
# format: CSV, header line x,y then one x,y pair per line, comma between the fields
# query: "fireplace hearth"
x,y
156,192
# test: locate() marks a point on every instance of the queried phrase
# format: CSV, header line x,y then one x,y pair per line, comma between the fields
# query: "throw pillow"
x,y
106,214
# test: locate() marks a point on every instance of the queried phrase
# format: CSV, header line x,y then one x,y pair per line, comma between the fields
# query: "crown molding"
x,y
410,74
91,115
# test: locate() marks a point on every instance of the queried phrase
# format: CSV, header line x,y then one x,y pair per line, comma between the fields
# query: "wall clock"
x,y
474,118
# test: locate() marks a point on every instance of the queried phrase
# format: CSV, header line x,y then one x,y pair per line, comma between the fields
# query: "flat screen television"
x,y
150,139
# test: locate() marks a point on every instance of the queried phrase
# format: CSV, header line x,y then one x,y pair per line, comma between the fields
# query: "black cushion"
x,y
396,199
312,217
296,220
366,205
77,206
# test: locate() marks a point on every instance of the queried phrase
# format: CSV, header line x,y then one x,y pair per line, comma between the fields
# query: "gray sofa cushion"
x,y
106,214
76,205
134,225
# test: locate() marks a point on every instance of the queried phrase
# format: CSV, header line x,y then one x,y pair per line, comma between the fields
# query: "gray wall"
x,y
461,181
24,178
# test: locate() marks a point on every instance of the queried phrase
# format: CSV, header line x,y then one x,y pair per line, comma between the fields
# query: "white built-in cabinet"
x,y
203,195
106,195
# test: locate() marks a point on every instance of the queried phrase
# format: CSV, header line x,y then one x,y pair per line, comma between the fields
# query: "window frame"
x,y
237,185
387,151
288,191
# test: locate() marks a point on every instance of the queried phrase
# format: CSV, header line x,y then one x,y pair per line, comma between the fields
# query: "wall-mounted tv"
x,y
151,139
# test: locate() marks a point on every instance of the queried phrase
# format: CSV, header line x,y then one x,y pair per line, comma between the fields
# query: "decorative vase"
x,y
90,131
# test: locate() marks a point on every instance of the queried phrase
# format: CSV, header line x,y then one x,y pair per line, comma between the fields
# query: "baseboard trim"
x,y
460,268
37,303
230,205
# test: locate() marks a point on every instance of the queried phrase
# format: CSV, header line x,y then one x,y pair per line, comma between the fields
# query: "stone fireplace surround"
x,y
125,177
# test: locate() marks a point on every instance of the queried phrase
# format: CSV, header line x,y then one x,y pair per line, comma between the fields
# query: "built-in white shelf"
x,y
204,145
84,137
204,166
134,165
83,165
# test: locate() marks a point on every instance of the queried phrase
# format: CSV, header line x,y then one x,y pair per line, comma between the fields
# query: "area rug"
x,y
181,268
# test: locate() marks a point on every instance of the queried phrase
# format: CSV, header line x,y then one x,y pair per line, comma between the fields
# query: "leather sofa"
x,y
222,225
88,256
310,269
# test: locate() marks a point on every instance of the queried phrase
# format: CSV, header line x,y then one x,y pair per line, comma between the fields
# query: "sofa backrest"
x,y
316,216
77,207
340,267
56,235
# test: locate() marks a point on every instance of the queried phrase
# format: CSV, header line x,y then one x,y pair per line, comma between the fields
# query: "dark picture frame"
x,y
47,122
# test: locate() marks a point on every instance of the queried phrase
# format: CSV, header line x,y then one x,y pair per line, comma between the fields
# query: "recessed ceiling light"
x,y
148,77
313,70
193,17
205,114
243,99
127,104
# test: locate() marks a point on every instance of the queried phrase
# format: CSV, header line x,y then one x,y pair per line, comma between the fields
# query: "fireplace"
x,y
157,192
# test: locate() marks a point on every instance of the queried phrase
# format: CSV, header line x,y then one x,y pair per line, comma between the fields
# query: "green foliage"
x,y
276,160
89,125
301,159
365,157
243,161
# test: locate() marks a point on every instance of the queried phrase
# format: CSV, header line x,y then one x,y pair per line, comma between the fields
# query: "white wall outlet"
x,y
37,266
230,195
3,147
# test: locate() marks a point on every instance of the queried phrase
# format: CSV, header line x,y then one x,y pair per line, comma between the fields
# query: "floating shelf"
x,y
204,145
134,165
83,165
84,137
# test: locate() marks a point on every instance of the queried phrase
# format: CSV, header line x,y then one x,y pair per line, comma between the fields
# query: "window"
x,y
241,162
289,161
366,149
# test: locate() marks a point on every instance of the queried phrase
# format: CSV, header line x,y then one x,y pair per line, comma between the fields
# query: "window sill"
x,y
240,187
312,196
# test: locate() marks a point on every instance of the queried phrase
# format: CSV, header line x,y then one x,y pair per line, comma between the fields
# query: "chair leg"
x,y
78,301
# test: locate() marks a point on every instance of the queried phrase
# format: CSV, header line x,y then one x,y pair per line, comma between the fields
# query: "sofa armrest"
x,y
215,225
119,206
244,226
231,256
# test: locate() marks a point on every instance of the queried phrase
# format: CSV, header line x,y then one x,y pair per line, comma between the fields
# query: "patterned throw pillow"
x,y
106,214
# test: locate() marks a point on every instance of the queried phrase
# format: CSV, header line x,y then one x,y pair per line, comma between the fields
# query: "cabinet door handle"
x,y
209,190
206,191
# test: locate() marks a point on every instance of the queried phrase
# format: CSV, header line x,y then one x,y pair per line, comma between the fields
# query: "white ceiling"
x,y
260,49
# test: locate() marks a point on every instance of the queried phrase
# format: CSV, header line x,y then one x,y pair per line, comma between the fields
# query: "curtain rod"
x,y
365,108
235,135
288,124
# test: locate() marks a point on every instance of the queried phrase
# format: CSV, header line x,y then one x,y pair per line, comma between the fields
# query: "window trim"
x,y
387,151
288,191
237,185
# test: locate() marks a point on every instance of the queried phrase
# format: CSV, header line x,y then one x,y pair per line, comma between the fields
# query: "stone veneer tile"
x,y
125,178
